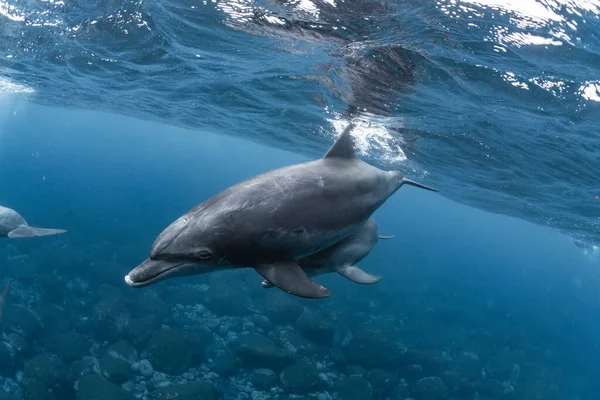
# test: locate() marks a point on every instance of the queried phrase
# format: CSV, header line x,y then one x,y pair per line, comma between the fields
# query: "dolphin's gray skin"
x,y
343,256
269,221
12,225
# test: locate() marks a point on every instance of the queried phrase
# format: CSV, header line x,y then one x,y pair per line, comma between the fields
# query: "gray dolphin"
x,y
343,256
270,221
13,225
339,258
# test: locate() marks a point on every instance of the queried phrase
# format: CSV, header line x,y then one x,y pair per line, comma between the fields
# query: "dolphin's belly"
x,y
266,246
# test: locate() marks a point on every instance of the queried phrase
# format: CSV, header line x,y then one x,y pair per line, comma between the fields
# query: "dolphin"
x,y
13,225
270,221
339,258
343,256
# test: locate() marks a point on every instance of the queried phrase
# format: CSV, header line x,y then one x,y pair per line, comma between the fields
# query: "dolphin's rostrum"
x,y
272,220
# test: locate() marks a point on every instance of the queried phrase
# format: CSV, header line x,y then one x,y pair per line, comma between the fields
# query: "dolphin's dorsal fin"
x,y
343,146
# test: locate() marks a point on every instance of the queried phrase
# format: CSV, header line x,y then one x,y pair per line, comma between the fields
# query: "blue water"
x,y
496,104
118,117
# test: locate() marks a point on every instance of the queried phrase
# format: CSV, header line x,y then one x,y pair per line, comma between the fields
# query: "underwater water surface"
x,y
116,117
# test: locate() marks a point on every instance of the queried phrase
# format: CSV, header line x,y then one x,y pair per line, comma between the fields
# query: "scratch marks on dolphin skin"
x,y
282,186
232,204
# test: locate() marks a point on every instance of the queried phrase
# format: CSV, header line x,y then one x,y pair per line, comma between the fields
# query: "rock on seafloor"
x,y
94,387
123,350
22,320
263,378
145,368
260,351
70,346
140,329
173,351
188,391
8,365
225,300
282,308
354,388
382,382
316,327
45,379
431,388
115,369
224,363
8,396
301,377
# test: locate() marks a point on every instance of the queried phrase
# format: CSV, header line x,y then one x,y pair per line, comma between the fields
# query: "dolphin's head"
x,y
189,238
153,271
196,243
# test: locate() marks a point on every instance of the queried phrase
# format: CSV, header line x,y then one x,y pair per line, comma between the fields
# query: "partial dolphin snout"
x,y
151,271
129,281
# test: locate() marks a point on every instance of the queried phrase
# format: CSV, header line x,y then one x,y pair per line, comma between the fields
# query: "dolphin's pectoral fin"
x,y
386,237
21,232
25,231
357,275
288,276
266,284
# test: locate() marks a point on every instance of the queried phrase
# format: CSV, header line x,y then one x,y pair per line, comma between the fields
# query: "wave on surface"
x,y
496,102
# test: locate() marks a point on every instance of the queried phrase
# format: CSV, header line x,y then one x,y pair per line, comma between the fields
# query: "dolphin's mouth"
x,y
151,271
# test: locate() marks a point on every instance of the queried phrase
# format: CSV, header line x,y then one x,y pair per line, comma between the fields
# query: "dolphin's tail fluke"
x,y
25,231
417,184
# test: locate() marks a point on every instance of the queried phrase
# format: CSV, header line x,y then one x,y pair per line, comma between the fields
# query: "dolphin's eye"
x,y
205,255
